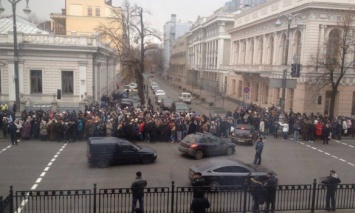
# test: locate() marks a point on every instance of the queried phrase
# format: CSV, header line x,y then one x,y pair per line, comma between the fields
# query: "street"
x,y
41,165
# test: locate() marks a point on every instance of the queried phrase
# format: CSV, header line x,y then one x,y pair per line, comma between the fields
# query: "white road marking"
x,y
308,145
4,149
326,153
344,144
351,164
34,186
351,146
320,150
335,157
302,143
342,160
314,148
24,202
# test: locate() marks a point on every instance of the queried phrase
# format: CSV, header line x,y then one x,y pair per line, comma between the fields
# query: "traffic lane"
x,y
173,93
72,171
5,145
297,163
22,164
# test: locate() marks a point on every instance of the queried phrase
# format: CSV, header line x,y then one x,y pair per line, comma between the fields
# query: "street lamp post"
x,y
278,23
16,54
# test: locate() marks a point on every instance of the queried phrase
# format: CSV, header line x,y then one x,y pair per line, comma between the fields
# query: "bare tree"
x,y
336,61
128,34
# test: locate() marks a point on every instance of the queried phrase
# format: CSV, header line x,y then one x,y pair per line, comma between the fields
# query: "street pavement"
x,y
47,165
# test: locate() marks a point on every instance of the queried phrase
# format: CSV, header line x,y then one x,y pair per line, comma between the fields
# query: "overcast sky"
x,y
160,10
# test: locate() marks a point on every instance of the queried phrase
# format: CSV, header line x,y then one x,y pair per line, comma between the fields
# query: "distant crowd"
x,y
152,125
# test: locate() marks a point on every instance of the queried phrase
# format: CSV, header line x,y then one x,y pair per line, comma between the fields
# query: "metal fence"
x,y
171,199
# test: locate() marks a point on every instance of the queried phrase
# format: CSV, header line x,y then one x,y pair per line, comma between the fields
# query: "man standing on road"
x,y
258,150
137,188
331,182
198,183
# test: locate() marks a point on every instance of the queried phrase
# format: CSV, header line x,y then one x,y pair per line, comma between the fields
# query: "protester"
x,y
137,188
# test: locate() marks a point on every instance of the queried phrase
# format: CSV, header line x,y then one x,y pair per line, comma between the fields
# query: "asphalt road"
x,y
50,165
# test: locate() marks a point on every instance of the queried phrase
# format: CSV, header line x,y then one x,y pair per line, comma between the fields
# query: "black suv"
x,y
244,133
103,151
201,144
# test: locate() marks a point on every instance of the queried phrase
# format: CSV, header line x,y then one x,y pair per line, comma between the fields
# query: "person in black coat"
x,y
12,131
199,203
331,182
326,133
270,196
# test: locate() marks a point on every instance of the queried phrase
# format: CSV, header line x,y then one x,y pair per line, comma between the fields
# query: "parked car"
x,y
133,85
185,97
218,172
244,133
177,106
125,102
103,151
154,86
166,104
159,98
205,144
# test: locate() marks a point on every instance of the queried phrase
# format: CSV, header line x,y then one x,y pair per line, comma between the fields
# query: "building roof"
x,y
27,28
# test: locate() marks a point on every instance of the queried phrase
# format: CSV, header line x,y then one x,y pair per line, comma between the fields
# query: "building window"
x,y
251,52
97,11
89,11
67,82
333,47
261,51
271,47
283,49
36,81
298,45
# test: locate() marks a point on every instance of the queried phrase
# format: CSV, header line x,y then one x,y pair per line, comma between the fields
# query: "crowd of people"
x,y
148,124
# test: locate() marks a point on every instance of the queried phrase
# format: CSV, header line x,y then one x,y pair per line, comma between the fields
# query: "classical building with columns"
x,y
80,66
258,51
208,49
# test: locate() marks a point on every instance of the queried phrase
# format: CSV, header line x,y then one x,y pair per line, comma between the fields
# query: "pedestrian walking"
x,y
12,131
258,150
270,195
331,182
137,188
199,203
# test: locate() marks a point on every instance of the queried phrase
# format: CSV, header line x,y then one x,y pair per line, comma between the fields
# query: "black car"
x,y
205,144
166,103
244,133
217,172
103,151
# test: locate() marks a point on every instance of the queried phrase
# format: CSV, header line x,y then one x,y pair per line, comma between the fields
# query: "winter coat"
x,y
26,130
43,129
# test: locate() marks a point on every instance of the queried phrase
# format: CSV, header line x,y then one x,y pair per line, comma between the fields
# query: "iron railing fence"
x,y
172,199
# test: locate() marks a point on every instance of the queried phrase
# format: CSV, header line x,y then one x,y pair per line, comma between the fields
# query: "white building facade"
x,y
208,50
79,66
258,50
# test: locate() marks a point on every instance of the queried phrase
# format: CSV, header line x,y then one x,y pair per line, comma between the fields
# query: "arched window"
x,y
271,48
236,52
244,50
298,46
261,50
333,47
283,48
251,52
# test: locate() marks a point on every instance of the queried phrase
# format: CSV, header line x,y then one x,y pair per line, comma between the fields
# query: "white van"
x,y
185,97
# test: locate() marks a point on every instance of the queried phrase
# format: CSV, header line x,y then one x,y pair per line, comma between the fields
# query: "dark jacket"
x,y
137,186
199,205
331,181
259,146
